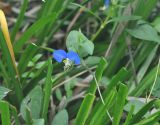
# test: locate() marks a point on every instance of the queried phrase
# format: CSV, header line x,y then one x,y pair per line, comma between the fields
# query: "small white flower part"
x,y
67,64
44,0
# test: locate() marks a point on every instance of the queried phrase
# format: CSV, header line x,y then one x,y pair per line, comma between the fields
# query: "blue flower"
x,y
67,58
73,56
107,3
59,55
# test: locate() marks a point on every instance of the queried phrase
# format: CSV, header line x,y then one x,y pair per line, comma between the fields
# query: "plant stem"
x,y
100,28
154,80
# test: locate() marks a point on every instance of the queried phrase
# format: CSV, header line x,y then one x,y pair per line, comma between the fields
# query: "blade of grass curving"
x,y
5,115
47,90
19,20
33,29
120,101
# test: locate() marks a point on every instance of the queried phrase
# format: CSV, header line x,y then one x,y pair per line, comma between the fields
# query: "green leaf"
x,y
19,20
3,92
10,68
156,90
58,94
102,110
84,109
89,98
29,120
34,102
120,76
98,75
77,42
47,89
120,101
92,60
146,64
146,82
156,24
5,114
151,120
144,7
39,74
145,32
61,118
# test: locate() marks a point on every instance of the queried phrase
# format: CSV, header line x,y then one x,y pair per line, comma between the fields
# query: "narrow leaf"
x,y
47,89
5,114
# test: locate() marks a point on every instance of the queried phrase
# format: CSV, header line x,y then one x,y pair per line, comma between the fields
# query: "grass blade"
x,y
151,120
89,98
26,57
102,110
5,115
137,117
19,20
129,116
15,115
84,109
120,101
120,76
32,30
47,89
11,69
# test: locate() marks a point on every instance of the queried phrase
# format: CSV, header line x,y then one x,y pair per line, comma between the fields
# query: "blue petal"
x,y
73,56
59,55
107,3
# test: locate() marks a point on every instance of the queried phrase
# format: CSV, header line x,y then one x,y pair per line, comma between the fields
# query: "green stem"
x,y
154,83
102,26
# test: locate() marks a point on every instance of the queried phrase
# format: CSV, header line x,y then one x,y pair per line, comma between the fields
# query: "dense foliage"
x,y
80,62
